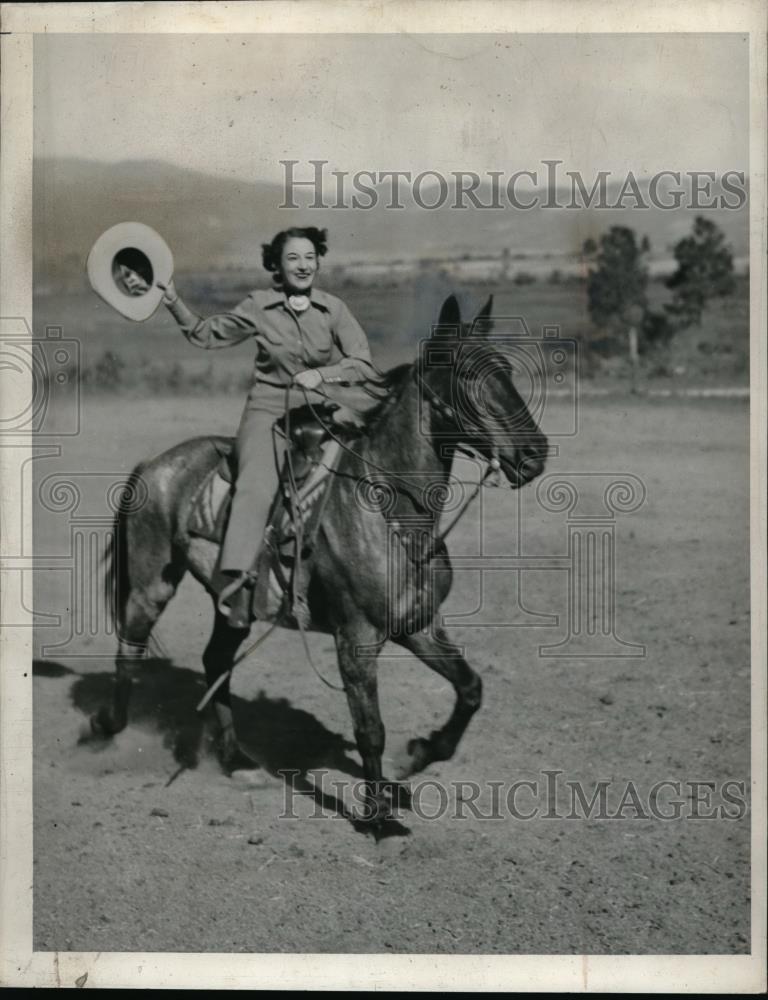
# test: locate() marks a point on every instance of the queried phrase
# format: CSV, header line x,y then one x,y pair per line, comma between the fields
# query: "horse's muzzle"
x,y
529,462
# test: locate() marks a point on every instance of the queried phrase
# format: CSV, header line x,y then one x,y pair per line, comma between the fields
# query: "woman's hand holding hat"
x,y
170,295
174,303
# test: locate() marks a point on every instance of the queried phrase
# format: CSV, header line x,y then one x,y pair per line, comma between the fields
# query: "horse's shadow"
x,y
286,741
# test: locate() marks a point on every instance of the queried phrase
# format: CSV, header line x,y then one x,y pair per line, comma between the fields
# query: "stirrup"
x,y
262,573
300,612
244,579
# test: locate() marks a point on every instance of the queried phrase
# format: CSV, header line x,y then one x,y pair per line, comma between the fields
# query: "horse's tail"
x,y
117,576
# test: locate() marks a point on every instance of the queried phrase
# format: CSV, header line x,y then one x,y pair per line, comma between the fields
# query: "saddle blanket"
x,y
210,509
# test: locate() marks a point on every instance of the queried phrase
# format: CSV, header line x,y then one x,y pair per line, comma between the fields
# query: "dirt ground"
x,y
125,861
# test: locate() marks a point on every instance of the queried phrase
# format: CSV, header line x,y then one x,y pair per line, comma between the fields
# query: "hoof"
x,y
87,734
380,827
101,726
231,757
380,812
397,794
417,755
388,829
250,777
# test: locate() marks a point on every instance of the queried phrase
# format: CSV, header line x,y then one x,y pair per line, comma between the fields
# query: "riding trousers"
x,y
257,477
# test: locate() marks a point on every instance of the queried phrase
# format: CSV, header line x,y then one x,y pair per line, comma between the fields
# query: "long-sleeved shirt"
x,y
325,336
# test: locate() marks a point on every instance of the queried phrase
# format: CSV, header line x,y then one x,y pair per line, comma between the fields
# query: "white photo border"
x,y
19,964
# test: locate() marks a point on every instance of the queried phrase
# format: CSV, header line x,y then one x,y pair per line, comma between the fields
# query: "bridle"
x,y
493,468
446,412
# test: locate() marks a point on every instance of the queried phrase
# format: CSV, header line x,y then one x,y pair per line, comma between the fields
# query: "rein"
x,y
493,469
447,412
299,537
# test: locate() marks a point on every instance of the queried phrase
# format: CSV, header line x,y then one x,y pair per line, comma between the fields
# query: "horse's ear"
x,y
482,323
449,320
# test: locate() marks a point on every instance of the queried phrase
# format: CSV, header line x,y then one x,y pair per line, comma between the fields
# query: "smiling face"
x,y
298,265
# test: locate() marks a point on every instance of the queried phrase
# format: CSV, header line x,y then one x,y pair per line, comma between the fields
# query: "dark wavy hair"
x,y
271,253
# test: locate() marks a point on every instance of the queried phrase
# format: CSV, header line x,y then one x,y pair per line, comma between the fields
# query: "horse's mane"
x,y
393,383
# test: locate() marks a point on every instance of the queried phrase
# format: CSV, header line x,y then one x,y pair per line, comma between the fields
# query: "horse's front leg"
x,y
358,647
434,649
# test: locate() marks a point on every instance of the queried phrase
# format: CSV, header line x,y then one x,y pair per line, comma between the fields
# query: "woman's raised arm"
x,y
220,330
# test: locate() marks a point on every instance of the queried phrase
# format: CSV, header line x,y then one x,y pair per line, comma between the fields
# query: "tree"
x,y
616,285
617,293
704,271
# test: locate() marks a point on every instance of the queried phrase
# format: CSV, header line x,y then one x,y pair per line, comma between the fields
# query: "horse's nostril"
x,y
533,463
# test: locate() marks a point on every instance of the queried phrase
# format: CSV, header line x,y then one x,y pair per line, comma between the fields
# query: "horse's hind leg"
x,y
434,649
218,658
143,606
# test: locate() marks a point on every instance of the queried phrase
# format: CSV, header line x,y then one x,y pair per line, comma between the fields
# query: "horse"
x,y
372,579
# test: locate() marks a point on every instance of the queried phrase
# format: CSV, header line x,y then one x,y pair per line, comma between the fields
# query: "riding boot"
x,y
299,604
262,572
235,601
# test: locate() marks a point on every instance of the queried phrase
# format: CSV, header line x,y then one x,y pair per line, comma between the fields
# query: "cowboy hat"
x,y
124,266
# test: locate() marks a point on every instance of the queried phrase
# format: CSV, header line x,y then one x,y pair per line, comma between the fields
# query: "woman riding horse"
x,y
380,569
306,338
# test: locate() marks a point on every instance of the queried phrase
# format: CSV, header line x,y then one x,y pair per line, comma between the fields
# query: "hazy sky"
x,y
236,105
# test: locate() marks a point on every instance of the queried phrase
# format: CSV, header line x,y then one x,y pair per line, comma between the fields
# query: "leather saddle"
x,y
312,452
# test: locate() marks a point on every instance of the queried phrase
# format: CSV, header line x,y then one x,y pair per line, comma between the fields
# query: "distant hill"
x,y
214,223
